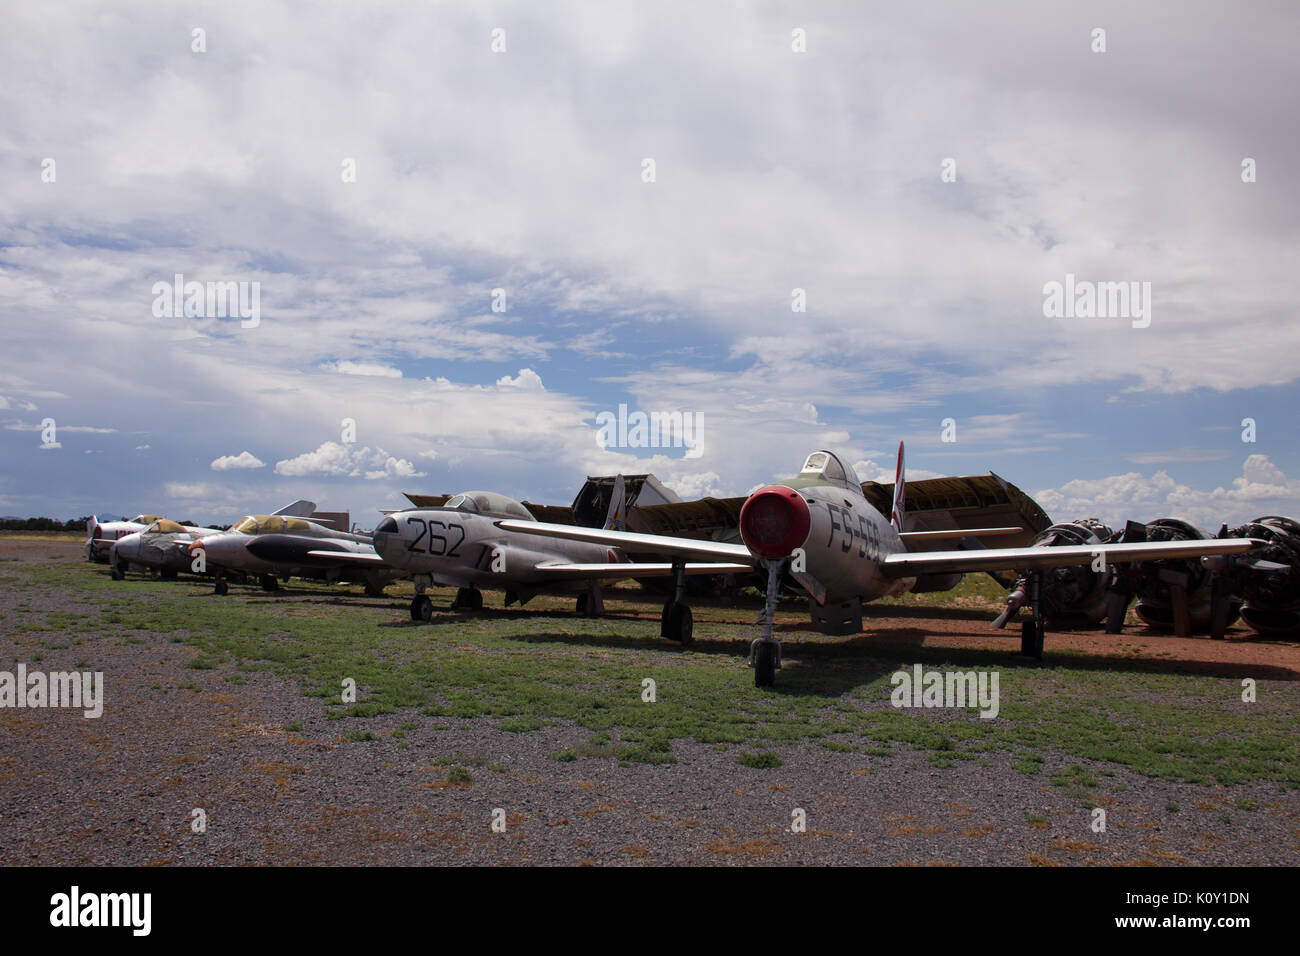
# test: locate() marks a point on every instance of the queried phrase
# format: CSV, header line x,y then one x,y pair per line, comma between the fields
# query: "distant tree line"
x,y
51,524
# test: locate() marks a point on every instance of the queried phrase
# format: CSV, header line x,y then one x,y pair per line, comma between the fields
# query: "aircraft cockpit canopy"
x,y
145,519
826,465
489,503
163,526
270,524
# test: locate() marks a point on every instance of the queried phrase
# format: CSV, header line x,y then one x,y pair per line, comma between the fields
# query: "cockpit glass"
x,y
163,526
829,467
489,503
246,526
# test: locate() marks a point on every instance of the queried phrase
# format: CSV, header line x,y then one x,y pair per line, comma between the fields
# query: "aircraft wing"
x,y
633,541
909,564
348,557
947,534
639,569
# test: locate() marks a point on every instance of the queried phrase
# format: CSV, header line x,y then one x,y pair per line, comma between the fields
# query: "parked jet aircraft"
x,y
100,535
843,552
274,547
460,545
163,548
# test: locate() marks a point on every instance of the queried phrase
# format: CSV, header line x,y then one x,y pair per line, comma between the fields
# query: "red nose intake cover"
x,y
774,521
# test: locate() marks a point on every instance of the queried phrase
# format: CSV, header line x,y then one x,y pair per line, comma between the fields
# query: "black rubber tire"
x,y
681,624
269,583
422,607
475,599
581,609
115,572
221,587
765,665
1032,635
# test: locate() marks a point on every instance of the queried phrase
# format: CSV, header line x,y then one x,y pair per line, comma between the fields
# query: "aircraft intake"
x,y
774,521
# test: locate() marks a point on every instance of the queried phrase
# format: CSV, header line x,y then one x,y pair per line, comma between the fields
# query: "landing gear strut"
x,y
677,623
1033,630
765,651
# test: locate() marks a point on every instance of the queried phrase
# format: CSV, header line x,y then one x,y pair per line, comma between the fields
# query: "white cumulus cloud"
x,y
230,462
334,459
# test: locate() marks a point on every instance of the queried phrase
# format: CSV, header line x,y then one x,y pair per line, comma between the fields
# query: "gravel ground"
x,y
121,789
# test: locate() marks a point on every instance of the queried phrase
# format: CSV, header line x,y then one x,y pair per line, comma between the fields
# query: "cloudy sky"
x,y
921,172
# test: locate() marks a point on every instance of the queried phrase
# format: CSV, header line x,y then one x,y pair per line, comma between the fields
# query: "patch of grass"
x,y
1028,763
293,726
459,775
543,666
759,761
521,725
361,735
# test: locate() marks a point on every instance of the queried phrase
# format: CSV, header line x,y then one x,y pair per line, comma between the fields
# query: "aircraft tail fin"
x,y
616,517
91,524
302,508
900,494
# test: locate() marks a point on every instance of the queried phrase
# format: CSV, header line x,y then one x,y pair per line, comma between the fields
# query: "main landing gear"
x,y
765,651
1033,630
676,623
468,599
591,603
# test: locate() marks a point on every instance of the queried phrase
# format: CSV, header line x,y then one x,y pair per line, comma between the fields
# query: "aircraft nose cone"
x,y
774,521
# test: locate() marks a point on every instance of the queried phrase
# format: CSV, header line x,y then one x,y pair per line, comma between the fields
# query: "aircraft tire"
x,y
421,609
1032,635
116,573
581,609
269,583
221,587
681,624
764,664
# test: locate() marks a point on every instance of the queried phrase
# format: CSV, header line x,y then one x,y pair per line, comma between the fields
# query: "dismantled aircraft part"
x,y
1178,594
1269,585
1078,592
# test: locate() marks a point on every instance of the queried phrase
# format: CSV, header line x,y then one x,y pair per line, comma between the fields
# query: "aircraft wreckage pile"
x,y
822,533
